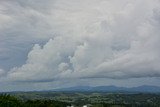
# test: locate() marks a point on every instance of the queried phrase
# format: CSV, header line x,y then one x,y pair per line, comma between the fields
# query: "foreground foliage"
x,y
78,99
10,101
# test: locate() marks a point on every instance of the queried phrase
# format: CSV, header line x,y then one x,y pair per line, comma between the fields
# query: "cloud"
x,y
2,72
22,24
92,39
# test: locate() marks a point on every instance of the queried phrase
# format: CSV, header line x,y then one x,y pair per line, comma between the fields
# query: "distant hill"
x,y
144,88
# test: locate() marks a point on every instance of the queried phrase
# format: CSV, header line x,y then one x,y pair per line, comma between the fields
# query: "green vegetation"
x,y
78,99
11,101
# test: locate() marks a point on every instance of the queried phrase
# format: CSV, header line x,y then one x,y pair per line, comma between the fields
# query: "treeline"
x,y
7,100
124,105
11,101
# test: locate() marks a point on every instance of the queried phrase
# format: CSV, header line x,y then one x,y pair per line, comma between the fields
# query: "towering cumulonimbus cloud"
x,y
96,39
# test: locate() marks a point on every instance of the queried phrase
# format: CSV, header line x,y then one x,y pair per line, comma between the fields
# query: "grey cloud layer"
x,y
92,39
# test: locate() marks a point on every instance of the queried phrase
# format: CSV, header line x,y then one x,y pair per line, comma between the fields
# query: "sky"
x,y
48,44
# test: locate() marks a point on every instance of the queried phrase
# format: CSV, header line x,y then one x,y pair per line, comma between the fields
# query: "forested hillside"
x,y
77,99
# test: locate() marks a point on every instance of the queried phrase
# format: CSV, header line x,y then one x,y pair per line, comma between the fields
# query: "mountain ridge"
x,y
112,88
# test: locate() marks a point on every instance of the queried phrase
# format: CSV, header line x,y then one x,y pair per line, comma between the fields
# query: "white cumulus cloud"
x,y
96,39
